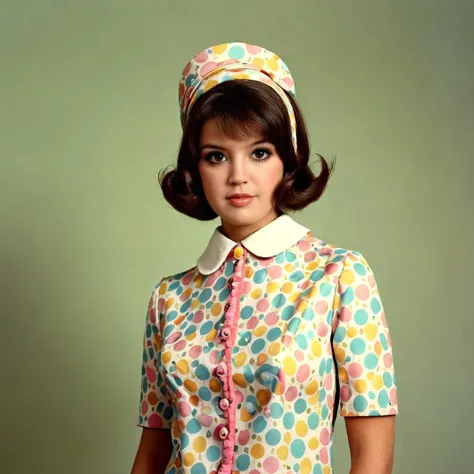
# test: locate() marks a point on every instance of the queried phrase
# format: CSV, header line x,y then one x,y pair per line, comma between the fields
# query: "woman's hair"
x,y
243,108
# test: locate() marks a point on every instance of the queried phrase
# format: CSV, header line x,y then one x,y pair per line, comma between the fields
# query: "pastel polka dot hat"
x,y
227,61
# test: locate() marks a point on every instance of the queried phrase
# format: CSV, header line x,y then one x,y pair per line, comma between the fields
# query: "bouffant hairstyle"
x,y
244,108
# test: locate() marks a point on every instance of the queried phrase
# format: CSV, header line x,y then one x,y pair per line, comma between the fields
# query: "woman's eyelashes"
x,y
259,154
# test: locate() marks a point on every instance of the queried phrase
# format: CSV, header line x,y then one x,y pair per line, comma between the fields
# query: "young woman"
x,y
249,354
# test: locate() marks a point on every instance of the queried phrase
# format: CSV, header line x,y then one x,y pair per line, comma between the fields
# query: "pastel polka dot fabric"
x,y
249,366
236,60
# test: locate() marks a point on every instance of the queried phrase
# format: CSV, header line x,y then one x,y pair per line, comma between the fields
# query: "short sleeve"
x,y
361,343
155,410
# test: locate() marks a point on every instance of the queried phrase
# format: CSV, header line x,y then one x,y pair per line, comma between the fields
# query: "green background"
x,y
88,116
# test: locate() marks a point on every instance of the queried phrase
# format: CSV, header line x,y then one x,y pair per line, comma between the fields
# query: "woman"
x,y
249,354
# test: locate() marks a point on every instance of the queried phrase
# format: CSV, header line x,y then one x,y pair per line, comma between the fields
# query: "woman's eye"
x,y
215,157
262,154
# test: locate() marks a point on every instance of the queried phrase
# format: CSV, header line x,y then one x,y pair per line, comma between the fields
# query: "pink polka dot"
x,y
271,464
355,370
155,421
299,355
198,316
326,251
321,307
304,284
332,268
362,292
345,314
323,455
393,396
328,382
275,271
239,396
304,245
151,374
187,68
184,409
210,279
152,315
195,351
271,318
247,287
252,323
208,67
215,357
161,304
180,345
345,393
144,407
387,360
288,81
243,437
201,57
263,305
330,402
173,337
205,420
302,373
187,279
323,329
309,256
324,437
252,49
265,262
291,393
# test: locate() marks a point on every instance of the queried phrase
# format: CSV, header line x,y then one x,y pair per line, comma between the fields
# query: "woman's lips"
x,y
240,201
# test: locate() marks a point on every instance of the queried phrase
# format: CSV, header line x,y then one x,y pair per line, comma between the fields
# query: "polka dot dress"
x,y
248,366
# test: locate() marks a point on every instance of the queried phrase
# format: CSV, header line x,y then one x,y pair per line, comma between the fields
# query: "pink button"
x,y
221,370
267,411
224,403
223,433
225,333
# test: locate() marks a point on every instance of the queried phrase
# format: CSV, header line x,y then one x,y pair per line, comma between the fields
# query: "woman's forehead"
x,y
243,132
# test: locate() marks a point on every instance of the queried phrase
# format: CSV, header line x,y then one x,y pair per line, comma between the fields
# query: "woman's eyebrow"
x,y
217,147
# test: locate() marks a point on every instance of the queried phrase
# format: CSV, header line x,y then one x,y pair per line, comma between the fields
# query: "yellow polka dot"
x,y
312,266
287,287
182,366
282,453
337,302
209,85
195,303
274,348
260,331
216,309
378,348
289,366
245,415
294,297
340,354
302,305
166,357
263,397
240,359
312,388
220,48
199,444
313,443
238,252
272,287
256,294
352,332
312,293
239,380
370,375
163,288
305,466
169,303
257,451
377,383
210,335
289,267
287,437
361,386
343,375
240,75
190,385
301,428
215,385
272,64
249,272
316,348
347,277
326,470
198,280
188,459
314,400
371,331
186,293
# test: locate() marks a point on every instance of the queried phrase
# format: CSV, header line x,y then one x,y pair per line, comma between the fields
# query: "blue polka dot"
x,y
204,393
340,334
383,399
206,328
296,276
360,403
317,469
358,346
193,426
375,305
316,275
287,313
236,52
257,346
273,334
260,276
288,420
361,317
325,289
371,361
300,405
273,437
360,269
308,314
220,283
297,448
202,372
205,295
347,297
259,424
198,468
276,410
387,379
279,300
313,421
246,312
243,462
213,453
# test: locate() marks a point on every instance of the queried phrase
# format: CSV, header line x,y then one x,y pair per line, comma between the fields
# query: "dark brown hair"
x,y
244,108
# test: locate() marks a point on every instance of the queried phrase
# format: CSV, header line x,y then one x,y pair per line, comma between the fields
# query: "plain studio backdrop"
x,y
89,114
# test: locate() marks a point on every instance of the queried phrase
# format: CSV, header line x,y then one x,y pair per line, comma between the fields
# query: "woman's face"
x,y
239,178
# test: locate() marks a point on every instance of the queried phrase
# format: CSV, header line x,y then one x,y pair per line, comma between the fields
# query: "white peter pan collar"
x,y
270,240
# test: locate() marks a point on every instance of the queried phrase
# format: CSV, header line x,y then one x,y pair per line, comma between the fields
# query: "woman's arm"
x,y
154,452
371,443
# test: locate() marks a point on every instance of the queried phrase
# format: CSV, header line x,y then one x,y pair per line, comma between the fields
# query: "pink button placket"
x,y
227,336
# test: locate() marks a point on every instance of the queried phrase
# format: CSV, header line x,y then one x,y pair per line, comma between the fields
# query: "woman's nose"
x,y
238,172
